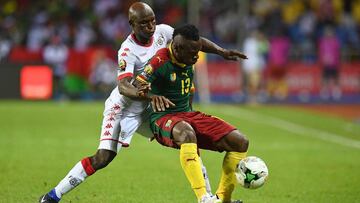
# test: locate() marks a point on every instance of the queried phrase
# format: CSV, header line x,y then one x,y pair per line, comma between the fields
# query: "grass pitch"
x,y
311,158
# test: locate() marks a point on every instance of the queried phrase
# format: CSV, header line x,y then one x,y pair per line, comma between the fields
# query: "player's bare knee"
x,y
244,143
241,142
184,133
234,141
188,136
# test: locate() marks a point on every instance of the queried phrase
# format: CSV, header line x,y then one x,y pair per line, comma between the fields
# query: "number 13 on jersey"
x,y
185,86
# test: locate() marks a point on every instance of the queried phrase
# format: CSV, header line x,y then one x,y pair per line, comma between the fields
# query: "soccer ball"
x,y
251,172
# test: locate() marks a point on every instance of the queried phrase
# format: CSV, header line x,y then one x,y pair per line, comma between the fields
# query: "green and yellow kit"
x,y
171,79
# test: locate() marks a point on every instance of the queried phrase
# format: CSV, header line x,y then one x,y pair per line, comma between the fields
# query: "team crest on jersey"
x,y
173,77
122,64
148,69
168,123
161,40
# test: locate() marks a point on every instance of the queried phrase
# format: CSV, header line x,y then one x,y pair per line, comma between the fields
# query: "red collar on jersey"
x,y
140,43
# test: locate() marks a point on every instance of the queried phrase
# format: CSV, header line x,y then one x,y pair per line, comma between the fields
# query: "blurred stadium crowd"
x,y
61,33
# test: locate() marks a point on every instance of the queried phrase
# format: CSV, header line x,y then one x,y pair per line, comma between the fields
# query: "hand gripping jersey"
x,y
122,115
169,78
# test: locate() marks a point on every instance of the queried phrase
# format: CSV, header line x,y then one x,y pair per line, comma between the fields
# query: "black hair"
x,y
188,31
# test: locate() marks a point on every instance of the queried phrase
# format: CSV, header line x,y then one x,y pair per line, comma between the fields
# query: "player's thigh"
x,y
209,130
119,133
163,127
144,129
129,125
110,128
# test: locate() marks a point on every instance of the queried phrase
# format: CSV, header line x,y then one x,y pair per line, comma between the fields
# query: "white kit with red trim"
x,y
133,56
122,115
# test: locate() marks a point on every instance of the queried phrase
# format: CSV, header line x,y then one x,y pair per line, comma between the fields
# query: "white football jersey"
x,y
132,57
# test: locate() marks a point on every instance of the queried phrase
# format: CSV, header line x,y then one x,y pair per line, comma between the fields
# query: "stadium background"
x,y
311,150
89,34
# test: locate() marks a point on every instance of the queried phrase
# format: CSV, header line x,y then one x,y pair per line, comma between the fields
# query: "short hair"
x,y
188,31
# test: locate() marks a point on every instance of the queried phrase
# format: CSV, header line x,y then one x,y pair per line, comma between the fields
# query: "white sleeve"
x,y
126,63
167,31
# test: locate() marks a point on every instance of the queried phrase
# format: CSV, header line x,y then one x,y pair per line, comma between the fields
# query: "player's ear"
x,y
177,47
181,48
177,50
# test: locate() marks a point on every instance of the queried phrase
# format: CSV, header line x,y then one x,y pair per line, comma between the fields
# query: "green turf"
x,y
41,141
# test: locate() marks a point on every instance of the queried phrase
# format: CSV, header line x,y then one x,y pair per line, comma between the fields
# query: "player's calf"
x,y
83,169
102,158
236,146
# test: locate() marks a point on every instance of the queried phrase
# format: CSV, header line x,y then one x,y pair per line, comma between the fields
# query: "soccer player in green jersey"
x,y
170,74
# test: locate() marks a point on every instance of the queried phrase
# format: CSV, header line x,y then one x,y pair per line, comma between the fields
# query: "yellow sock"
x,y
191,165
228,179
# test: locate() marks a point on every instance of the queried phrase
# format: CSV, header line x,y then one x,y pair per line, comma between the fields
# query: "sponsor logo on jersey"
x,y
193,159
108,125
173,77
107,133
122,64
116,107
125,52
123,135
111,118
168,123
148,69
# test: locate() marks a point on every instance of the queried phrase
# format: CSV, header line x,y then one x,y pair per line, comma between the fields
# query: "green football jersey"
x,y
170,79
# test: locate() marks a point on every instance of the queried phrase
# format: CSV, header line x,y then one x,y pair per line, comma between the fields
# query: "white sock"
x,y
206,177
75,176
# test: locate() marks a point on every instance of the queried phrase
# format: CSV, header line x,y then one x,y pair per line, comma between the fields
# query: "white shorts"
x,y
118,129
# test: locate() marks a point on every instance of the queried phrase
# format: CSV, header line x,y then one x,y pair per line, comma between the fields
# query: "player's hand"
x,y
160,103
233,55
143,90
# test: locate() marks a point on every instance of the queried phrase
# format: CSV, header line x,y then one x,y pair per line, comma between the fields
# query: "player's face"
x,y
144,26
186,51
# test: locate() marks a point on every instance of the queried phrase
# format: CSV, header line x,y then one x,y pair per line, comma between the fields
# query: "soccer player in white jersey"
x,y
125,109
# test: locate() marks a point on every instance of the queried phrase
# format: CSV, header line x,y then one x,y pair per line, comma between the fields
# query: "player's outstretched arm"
x,y
210,47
